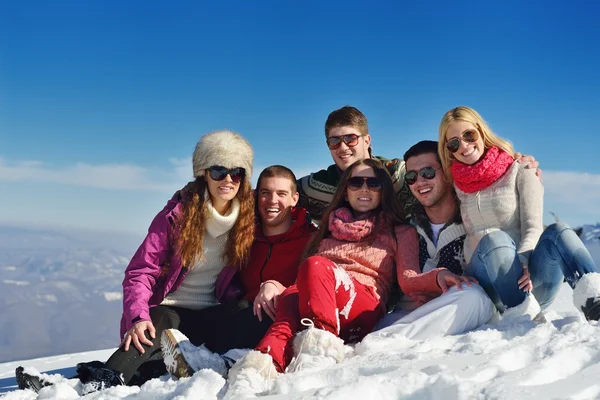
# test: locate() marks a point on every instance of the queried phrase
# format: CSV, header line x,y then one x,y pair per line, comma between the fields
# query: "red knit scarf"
x,y
471,178
345,226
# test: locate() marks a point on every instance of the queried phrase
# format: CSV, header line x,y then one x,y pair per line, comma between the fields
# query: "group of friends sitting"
x,y
257,283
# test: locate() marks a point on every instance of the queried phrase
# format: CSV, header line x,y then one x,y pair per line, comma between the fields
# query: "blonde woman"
x,y
518,263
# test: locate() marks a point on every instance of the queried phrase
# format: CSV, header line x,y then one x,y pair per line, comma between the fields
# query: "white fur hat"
x,y
224,148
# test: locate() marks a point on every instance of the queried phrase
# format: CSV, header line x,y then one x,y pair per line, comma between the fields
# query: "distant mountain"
x,y
590,233
59,292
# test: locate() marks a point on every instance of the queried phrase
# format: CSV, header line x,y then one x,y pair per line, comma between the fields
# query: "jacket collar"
x,y
419,218
301,223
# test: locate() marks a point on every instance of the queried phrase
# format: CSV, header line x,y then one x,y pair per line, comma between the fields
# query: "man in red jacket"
x,y
249,294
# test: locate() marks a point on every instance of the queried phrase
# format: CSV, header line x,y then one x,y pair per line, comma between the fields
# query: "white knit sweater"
x,y
513,204
197,291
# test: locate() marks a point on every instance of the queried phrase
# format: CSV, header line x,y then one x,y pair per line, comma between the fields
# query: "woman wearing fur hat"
x,y
170,281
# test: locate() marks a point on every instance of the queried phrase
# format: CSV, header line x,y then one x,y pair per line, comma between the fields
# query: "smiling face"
x,y
428,192
468,153
363,200
221,192
344,156
275,202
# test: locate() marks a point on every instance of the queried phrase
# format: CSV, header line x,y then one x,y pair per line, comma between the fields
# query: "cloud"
x,y
104,176
579,189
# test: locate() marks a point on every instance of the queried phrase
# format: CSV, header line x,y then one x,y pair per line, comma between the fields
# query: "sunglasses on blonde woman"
x,y
218,173
469,136
351,140
357,182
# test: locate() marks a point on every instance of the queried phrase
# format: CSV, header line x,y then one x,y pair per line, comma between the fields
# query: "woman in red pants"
x,y
343,283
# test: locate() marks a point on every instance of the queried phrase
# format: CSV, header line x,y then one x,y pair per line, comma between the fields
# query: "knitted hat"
x,y
224,148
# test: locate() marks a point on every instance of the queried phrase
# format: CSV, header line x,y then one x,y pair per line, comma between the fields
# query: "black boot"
x,y
31,382
591,309
95,376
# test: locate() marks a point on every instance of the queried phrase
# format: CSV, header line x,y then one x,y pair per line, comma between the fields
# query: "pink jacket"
x,y
154,271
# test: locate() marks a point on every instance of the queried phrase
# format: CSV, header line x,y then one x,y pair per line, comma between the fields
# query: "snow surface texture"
x,y
556,360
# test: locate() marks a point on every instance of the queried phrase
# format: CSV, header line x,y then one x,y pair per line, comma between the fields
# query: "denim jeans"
x,y
559,254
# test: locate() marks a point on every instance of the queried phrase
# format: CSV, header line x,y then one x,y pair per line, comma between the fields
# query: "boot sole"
x,y
174,360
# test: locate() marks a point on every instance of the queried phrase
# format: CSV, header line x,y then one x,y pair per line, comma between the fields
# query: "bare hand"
x,y
266,300
447,279
530,162
525,281
136,334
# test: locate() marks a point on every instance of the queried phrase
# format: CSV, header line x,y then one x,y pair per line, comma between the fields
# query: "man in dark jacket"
x,y
348,139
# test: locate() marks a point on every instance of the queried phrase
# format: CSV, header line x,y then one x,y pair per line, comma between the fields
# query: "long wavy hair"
x,y
191,225
389,205
467,114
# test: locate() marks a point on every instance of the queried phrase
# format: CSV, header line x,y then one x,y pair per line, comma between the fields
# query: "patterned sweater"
x,y
372,262
513,204
449,252
317,189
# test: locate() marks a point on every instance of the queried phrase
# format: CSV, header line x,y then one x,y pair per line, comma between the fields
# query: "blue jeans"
x,y
559,253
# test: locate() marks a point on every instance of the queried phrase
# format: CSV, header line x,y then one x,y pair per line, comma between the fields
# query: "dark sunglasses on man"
x,y
469,136
357,182
334,142
426,172
218,173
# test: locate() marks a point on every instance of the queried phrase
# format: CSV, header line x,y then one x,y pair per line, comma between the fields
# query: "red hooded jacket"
x,y
272,258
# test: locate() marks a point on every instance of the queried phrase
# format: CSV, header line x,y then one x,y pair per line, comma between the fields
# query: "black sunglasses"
x,y
357,182
351,140
469,136
426,172
218,173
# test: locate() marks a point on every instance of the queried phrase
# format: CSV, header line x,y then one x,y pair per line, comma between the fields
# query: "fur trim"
x,y
587,287
316,348
224,148
252,374
316,342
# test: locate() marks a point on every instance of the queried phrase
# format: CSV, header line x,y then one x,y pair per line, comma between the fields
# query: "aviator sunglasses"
x,y
357,182
426,172
218,173
351,140
469,136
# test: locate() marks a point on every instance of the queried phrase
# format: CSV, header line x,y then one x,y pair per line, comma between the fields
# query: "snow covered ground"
x,y
556,360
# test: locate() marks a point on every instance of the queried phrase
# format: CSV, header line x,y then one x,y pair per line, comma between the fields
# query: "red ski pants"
x,y
327,295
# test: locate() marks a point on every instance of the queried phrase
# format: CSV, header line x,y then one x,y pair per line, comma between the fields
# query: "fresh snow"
x,y
555,360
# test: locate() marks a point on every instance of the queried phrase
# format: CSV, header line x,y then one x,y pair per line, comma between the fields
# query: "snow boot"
x,y
586,296
182,358
28,381
95,376
315,348
529,310
252,374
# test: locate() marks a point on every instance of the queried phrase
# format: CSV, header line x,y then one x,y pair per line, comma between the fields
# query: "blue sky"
x,y
102,102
